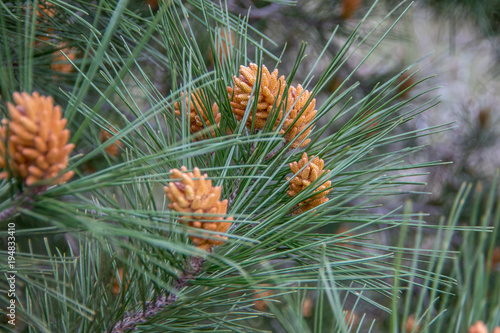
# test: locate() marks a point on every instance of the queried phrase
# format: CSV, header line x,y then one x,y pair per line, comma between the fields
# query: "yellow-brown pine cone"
x,y
197,108
59,62
115,148
308,175
194,195
36,140
260,304
44,13
478,327
305,119
271,91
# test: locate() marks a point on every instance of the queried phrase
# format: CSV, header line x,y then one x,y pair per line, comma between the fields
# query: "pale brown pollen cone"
x,y
269,95
59,62
36,141
295,121
307,176
192,194
115,148
196,109
478,327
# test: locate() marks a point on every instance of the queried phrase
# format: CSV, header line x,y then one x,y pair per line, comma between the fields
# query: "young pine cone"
x,y
115,148
35,142
59,62
305,118
270,91
480,327
308,175
193,196
197,108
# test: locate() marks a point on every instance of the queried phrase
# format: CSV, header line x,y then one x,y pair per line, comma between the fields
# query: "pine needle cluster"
x,y
198,190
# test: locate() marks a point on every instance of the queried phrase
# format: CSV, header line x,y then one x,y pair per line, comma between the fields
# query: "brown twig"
x,y
130,320
7,212
26,202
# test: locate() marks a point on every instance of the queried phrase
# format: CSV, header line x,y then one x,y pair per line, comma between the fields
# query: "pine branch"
x,y
27,201
130,320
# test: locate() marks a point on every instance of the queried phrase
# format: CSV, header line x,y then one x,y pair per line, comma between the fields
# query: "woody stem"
x,y
130,320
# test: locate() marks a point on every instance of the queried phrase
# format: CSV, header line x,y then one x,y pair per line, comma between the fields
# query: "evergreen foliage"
x,y
103,252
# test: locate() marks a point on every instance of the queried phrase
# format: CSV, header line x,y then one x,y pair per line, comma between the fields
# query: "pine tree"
x,y
180,180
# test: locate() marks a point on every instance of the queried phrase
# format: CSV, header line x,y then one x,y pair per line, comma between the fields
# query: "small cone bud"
x,y
478,327
34,142
259,303
298,98
59,62
196,109
115,148
308,175
193,196
411,324
116,284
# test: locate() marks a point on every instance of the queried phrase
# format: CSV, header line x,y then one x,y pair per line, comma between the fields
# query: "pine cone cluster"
x,y
197,108
193,196
297,98
35,142
302,180
271,95
271,90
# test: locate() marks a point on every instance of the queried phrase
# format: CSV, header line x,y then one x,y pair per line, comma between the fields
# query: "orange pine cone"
x,y
36,141
261,304
302,180
59,62
197,108
478,327
270,91
115,148
116,284
411,324
193,196
299,103
44,13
